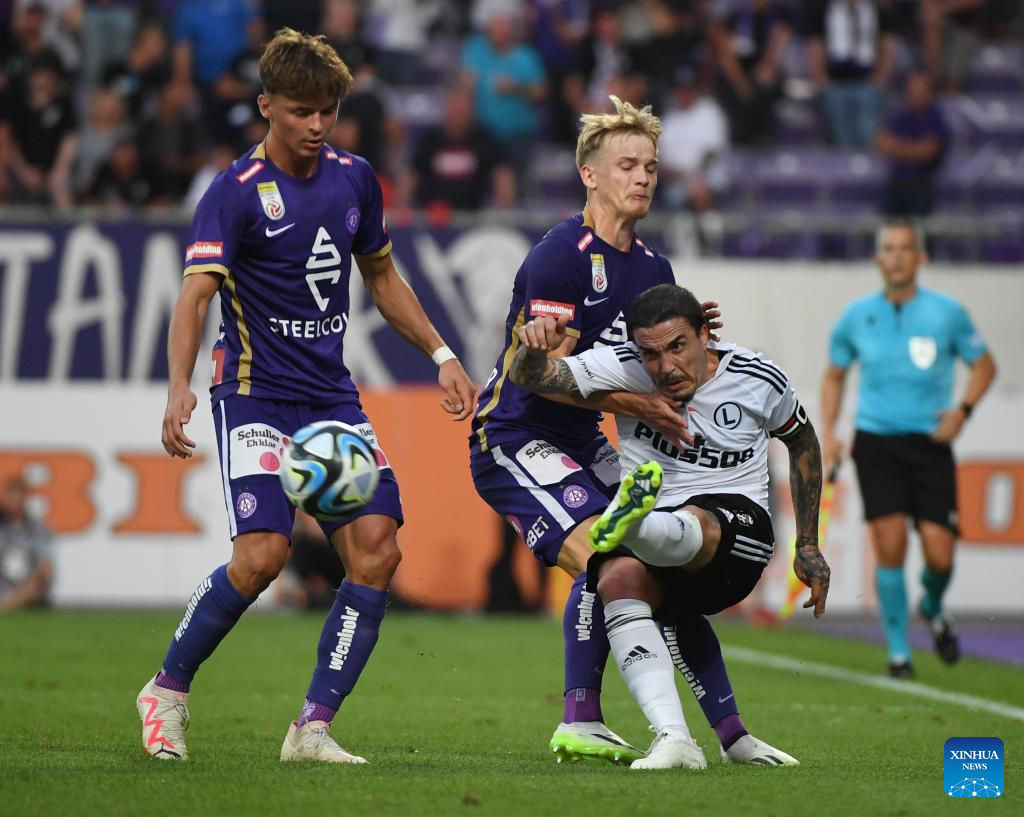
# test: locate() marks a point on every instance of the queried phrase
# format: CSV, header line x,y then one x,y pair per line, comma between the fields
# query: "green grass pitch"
x,y
454,715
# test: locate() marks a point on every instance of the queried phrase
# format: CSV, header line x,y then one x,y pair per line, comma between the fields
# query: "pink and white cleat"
x,y
164,714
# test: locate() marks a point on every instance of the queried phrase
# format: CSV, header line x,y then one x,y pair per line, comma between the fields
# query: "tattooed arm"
x,y
805,483
537,372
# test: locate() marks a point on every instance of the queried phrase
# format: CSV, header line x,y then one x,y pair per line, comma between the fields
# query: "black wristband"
x,y
966,408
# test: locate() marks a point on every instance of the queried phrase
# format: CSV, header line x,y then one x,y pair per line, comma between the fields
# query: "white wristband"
x,y
442,355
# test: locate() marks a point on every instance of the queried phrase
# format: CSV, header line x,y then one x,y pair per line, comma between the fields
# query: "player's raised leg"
x,y
889,539
368,546
938,541
214,608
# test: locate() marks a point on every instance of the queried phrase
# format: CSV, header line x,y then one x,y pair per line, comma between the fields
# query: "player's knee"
x,y
256,562
624,578
375,565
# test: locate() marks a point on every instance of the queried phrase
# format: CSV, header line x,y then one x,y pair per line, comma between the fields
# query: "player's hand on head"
x,y
812,569
180,405
544,334
460,392
664,415
713,315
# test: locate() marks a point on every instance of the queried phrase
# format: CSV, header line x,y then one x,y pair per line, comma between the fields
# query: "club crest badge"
x,y
598,277
270,198
923,351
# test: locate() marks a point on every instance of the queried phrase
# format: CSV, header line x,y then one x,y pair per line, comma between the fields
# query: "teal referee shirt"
x,y
907,354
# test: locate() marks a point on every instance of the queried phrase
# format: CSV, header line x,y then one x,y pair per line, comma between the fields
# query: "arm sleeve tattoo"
x,y
543,375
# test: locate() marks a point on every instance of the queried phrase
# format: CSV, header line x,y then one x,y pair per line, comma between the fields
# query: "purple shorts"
x,y
545,490
250,436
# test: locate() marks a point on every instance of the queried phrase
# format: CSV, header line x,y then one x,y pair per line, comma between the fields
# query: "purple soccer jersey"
x,y
570,272
284,248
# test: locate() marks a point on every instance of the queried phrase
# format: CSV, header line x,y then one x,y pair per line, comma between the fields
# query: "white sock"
x,y
644,663
666,539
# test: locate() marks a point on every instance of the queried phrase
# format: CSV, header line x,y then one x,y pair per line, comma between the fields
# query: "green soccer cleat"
x,y
638,494
591,740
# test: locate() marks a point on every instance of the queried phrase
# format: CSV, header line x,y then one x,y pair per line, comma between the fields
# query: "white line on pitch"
x,y
781,662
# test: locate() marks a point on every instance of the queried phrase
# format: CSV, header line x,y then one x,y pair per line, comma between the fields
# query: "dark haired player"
x,y
688,532
275,234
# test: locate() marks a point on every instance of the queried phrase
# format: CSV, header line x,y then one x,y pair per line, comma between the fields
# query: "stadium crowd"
x,y
130,103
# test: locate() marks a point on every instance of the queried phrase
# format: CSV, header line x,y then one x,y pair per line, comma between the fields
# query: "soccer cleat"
x,y
947,644
749,749
902,670
672,749
637,496
312,742
164,714
591,740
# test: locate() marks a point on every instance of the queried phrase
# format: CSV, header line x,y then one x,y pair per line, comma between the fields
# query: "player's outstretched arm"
x,y
805,483
531,367
402,309
183,339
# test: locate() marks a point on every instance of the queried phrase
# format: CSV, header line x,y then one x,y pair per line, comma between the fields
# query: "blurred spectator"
x,y
559,27
62,27
750,43
28,46
107,32
39,139
208,35
170,144
604,60
143,71
681,38
26,551
459,165
915,143
104,128
402,28
850,55
508,81
120,183
218,159
342,26
952,35
229,105
693,148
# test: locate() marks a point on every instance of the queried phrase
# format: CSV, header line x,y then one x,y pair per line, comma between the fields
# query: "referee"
x,y
906,339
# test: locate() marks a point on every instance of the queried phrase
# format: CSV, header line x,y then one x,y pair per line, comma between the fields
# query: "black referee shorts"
x,y
906,473
746,546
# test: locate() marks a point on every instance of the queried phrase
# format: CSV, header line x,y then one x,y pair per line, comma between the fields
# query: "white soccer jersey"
x,y
731,418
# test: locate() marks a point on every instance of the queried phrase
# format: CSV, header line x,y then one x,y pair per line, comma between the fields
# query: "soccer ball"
x,y
329,470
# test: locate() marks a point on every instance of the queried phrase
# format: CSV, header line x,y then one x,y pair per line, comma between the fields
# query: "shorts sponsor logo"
x,y
255,448
245,505
606,465
545,462
922,351
575,496
270,198
552,309
352,220
536,532
204,249
598,277
974,767
371,437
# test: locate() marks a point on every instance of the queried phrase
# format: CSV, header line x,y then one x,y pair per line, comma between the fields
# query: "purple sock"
x,y
312,711
213,610
729,730
586,652
695,651
349,635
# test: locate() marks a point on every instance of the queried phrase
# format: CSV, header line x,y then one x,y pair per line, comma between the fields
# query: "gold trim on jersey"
x,y
572,333
385,250
220,269
506,364
244,375
588,220
260,151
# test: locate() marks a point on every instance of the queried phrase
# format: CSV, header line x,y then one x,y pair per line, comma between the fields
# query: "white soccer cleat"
x,y
591,740
749,749
672,749
311,741
164,714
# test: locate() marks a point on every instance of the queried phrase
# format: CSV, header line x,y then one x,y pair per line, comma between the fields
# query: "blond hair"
x,y
303,67
627,118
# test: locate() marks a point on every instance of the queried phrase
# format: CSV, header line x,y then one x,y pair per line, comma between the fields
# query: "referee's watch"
x,y
966,408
